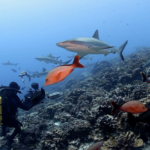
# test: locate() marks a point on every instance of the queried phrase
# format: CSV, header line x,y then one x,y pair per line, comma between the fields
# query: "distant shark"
x,y
50,55
84,46
40,74
14,70
8,63
49,59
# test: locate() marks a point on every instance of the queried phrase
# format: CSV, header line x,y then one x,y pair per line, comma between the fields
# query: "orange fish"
x,y
61,72
130,106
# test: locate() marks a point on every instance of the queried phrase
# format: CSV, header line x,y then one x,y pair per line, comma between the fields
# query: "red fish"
x,y
61,72
130,106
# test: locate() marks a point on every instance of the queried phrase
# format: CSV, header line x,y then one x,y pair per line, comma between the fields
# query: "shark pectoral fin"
x,y
100,48
81,55
58,75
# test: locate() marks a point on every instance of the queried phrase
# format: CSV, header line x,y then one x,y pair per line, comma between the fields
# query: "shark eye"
x,y
46,79
143,106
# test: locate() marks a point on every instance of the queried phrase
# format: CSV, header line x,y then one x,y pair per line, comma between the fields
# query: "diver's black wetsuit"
x,y
15,103
12,121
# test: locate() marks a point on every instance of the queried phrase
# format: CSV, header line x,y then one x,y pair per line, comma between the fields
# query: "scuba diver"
x,y
9,104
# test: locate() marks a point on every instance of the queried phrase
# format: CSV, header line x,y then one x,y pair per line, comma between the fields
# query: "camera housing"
x,y
35,86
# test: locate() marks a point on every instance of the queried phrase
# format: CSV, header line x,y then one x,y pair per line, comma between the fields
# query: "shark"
x,y
83,58
14,70
50,55
40,74
48,59
8,63
91,45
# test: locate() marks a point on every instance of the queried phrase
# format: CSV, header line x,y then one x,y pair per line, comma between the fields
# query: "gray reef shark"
x,y
84,46
14,70
50,55
8,63
40,74
49,59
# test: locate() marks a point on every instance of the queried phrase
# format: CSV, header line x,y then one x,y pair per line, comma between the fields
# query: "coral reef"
x,y
82,114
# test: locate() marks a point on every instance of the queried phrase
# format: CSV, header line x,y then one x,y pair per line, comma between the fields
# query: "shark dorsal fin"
x,y
50,55
44,69
96,35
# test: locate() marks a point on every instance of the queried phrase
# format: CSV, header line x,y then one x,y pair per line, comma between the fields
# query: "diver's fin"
x,y
120,50
96,35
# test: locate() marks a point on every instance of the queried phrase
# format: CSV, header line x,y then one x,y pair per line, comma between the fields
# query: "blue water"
x,y
31,28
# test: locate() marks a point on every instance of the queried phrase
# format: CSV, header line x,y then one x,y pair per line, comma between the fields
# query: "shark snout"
x,y
37,58
61,44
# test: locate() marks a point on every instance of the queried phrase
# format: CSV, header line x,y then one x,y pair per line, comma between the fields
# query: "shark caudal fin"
x,y
120,50
131,120
65,63
76,63
144,78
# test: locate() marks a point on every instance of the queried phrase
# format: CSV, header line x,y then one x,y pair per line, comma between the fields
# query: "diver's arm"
x,y
21,105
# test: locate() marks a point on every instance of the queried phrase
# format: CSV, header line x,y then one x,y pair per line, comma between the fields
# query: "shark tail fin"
x,y
65,63
76,63
120,50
